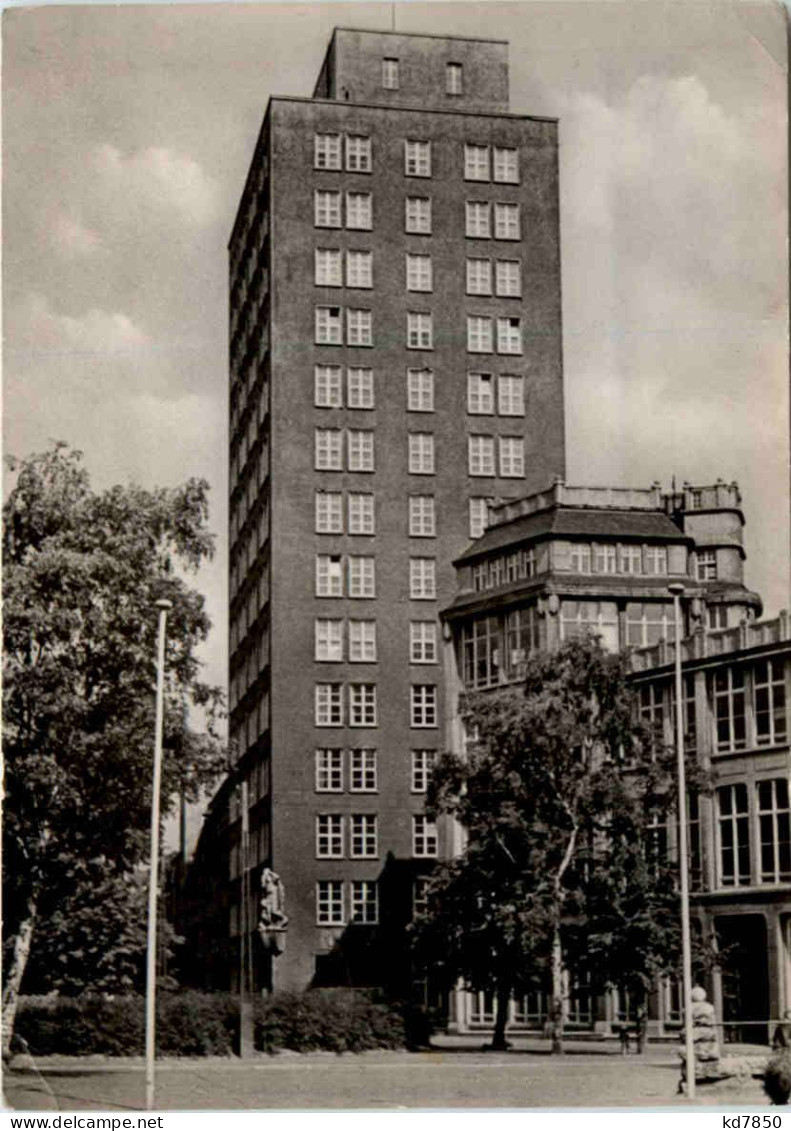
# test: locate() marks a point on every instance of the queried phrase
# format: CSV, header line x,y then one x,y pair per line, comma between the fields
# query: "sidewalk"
x,y
589,1076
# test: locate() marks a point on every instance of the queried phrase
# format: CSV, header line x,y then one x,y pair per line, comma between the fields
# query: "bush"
x,y
188,1024
777,1078
334,1020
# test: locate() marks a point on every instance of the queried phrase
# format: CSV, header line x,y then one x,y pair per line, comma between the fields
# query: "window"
x,y
476,162
329,903
604,558
365,902
419,331
420,390
362,641
421,453
362,771
328,453
423,705
580,558
506,221
361,450
479,334
729,709
327,384
329,640
362,577
327,209
424,836
522,629
423,762
506,165
360,387
327,271
359,328
453,78
630,559
329,836
770,702
422,642
422,518
656,560
329,704
718,617
480,652
390,74
329,575
581,618
363,838
481,455
510,395
480,394
362,704
329,331
359,269
509,335
647,624
358,154
773,831
479,277
326,151
418,273
479,516
420,897
422,579
508,278
359,211
329,771
361,514
706,565
329,512
652,711
734,835
512,457
478,220
417,158
418,215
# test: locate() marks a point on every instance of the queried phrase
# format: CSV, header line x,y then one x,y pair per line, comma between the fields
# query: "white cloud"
x,y
162,179
42,329
73,238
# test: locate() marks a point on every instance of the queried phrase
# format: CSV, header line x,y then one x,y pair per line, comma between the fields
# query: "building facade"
x,y
572,560
395,364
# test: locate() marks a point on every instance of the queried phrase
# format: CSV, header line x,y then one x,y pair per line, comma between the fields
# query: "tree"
x,y
82,572
556,794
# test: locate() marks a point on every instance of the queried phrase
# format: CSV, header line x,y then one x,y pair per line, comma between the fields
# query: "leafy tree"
x,y
555,794
94,939
82,572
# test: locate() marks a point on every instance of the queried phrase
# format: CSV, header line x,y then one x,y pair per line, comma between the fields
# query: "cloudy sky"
x,y
127,134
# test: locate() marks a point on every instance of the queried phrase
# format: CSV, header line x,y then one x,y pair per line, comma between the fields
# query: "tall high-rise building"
x,y
395,363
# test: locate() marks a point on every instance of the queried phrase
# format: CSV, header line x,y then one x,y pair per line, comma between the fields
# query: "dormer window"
x,y
390,74
453,78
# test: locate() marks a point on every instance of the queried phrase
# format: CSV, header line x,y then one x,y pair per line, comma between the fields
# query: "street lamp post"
x,y
153,879
677,589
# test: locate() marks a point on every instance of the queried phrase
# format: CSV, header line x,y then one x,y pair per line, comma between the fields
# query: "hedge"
x,y
190,1023
335,1020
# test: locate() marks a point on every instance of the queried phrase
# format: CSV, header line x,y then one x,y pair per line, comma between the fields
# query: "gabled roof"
x,y
577,522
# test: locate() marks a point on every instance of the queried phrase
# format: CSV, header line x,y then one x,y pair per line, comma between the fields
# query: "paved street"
x,y
595,1077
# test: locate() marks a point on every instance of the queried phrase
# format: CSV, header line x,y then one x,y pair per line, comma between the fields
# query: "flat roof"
x,y
421,35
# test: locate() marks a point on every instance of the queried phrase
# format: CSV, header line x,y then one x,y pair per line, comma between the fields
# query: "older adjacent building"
x,y
570,560
395,364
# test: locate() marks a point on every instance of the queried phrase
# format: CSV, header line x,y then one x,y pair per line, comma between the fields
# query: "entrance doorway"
x,y
742,941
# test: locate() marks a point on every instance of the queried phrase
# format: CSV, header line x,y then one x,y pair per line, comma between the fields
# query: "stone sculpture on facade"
x,y
272,920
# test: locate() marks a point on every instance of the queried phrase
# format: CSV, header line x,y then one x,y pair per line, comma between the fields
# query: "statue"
x,y
706,1051
272,918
